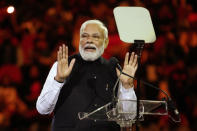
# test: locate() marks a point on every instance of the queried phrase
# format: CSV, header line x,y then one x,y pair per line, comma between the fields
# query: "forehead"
x,y
92,29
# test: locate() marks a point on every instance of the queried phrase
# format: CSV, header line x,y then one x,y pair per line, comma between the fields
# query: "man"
x,y
84,82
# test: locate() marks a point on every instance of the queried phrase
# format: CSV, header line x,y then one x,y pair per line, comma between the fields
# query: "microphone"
x,y
171,105
173,111
115,62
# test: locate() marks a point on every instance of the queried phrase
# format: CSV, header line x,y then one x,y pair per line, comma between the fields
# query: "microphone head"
x,y
115,62
173,111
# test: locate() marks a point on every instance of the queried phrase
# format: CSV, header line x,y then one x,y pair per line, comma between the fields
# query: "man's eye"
x,y
84,36
96,36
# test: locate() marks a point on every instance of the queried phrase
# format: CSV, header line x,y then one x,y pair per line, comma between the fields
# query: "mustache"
x,y
88,45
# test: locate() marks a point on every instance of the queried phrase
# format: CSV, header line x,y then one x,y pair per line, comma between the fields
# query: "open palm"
x,y
130,67
63,68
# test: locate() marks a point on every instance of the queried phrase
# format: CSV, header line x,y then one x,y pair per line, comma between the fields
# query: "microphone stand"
x,y
139,46
171,106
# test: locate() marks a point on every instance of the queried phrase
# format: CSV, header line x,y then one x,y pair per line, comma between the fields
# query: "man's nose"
x,y
90,39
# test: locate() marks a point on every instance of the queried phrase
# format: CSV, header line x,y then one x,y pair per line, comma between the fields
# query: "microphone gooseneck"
x,y
114,61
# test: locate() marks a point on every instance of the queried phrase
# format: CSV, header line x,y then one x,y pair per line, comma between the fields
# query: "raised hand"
x,y
63,69
130,67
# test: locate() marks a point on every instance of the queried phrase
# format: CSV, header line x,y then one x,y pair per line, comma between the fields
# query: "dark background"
x,y
30,36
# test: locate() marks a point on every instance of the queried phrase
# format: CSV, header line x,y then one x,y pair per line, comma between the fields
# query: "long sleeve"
x,y
127,106
126,94
49,95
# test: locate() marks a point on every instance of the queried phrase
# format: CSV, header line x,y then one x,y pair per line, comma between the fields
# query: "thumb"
x,y
71,65
117,72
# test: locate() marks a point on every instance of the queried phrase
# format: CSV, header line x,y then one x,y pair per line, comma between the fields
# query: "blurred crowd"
x,y
30,36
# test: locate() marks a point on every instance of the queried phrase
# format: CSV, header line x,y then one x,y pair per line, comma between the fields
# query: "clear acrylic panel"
x,y
124,111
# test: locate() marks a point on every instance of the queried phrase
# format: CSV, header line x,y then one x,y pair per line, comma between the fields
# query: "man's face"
x,y
91,44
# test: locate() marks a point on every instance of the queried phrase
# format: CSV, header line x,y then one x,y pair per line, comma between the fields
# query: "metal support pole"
x,y
139,46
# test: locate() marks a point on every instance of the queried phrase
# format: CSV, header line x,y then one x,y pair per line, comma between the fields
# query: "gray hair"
x,y
98,22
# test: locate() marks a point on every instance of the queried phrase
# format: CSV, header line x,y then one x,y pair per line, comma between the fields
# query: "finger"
x,y
136,66
58,56
131,58
135,61
60,52
64,52
71,65
126,59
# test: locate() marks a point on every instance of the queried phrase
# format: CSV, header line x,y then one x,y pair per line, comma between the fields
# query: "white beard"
x,y
90,56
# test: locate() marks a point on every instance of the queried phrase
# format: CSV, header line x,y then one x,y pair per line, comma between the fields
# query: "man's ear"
x,y
106,43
